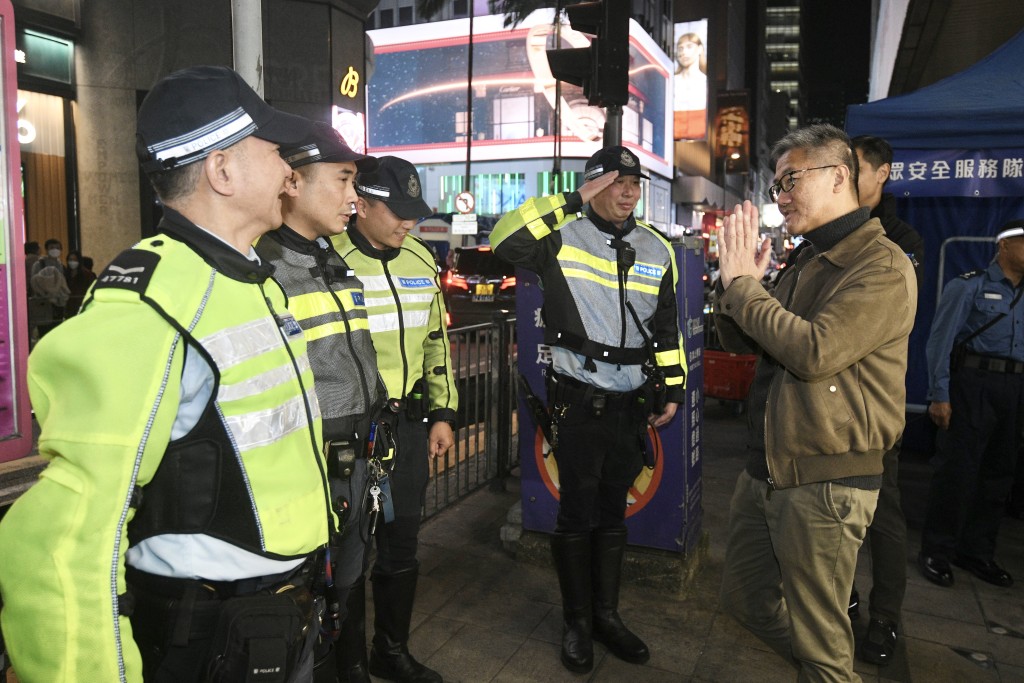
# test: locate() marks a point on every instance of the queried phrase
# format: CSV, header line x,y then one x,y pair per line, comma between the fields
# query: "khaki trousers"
x,y
789,568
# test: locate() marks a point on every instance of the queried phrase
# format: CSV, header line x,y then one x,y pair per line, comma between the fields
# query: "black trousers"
x,y
975,460
598,457
887,537
397,542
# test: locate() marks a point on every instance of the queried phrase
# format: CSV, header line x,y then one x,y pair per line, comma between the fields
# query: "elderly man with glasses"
x,y
827,401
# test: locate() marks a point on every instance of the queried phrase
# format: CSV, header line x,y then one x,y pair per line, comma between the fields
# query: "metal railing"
x,y
486,448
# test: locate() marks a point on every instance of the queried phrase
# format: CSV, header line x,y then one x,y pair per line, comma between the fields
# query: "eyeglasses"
x,y
787,182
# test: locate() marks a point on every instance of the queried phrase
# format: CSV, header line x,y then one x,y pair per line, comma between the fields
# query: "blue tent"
x,y
977,107
958,175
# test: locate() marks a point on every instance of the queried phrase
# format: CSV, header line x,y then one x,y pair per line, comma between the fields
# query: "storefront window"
x,y
44,172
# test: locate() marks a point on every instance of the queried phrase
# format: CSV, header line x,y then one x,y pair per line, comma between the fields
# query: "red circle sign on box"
x,y
640,494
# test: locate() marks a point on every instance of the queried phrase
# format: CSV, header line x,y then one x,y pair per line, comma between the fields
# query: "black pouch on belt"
x,y
416,405
260,638
341,458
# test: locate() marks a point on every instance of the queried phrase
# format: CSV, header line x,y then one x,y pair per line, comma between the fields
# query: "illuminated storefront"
x,y
417,109
46,136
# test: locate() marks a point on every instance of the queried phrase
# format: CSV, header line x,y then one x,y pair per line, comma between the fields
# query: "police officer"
x,y
407,319
611,318
183,433
327,300
976,387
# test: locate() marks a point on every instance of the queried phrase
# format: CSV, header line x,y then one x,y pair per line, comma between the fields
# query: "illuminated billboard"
x,y
417,96
690,81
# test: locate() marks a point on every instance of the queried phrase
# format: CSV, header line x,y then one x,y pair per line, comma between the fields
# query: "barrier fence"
x,y
486,449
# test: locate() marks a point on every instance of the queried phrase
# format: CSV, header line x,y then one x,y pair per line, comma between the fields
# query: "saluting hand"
x,y
591,188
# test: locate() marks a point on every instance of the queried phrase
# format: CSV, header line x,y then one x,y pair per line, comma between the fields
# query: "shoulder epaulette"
x,y
132,269
972,273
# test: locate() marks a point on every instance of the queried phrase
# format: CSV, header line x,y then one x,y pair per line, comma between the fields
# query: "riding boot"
x,y
389,656
608,546
351,645
571,552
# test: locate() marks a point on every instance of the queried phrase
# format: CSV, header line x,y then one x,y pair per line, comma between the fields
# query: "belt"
x,y
990,364
174,588
577,390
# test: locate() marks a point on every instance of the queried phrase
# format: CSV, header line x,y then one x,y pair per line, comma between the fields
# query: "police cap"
x,y
194,111
325,144
614,158
396,183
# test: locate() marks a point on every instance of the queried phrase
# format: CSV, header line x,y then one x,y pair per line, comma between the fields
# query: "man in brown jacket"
x,y
827,401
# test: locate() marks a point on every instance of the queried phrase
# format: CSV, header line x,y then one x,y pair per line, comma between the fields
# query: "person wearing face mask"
x,y
48,283
53,249
79,279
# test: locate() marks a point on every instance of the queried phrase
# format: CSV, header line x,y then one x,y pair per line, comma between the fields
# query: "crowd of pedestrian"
x,y
276,375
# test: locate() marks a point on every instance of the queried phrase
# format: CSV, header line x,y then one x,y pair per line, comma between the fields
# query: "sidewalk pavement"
x,y
482,616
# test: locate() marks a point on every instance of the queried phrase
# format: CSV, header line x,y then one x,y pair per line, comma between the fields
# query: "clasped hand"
x,y
741,251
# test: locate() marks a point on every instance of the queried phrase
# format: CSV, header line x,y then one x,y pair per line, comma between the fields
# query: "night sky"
x,y
836,57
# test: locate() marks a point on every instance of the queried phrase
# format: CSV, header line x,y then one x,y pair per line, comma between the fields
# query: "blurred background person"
x,y
79,278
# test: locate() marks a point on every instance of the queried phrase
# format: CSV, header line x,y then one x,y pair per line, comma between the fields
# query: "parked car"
x,y
478,284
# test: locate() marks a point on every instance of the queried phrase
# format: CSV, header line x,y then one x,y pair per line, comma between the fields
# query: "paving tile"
x,y
613,670
963,636
537,662
958,601
474,655
938,662
740,663
499,612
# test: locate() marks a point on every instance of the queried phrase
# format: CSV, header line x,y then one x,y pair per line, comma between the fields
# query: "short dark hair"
x,y
52,241
177,182
875,150
830,145
32,247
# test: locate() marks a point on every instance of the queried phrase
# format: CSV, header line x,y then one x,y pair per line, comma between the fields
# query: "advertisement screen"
x,y
690,82
418,94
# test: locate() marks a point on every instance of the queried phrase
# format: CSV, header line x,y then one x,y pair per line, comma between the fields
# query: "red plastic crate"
x,y
728,375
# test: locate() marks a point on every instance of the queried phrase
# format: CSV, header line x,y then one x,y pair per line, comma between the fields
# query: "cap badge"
x,y
413,186
626,159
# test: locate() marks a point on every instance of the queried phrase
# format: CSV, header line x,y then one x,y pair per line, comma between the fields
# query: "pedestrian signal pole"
x,y
602,69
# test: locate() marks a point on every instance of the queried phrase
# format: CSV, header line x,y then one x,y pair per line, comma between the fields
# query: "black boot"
x,y
389,657
351,646
571,553
608,547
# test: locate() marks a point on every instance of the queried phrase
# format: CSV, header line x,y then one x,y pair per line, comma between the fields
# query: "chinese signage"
x,y
957,173
732,132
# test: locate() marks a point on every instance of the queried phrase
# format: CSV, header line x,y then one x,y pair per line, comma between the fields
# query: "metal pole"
x,y
613,126
247,35
469,99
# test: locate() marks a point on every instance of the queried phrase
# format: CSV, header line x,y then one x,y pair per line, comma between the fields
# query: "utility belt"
x,y
977,361
257,628
565,389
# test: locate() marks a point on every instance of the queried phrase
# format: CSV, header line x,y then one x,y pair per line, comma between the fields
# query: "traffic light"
x,y
602,69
